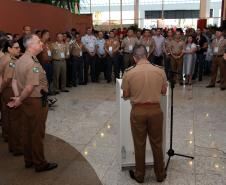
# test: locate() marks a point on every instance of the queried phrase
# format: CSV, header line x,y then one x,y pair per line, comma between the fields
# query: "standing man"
x,y
89,42
112,47
45,58
202,46
30,90
167,46
26,31
60,53
128,43
76,51
100,62
149,43
143,85
176,53
218,46
159,45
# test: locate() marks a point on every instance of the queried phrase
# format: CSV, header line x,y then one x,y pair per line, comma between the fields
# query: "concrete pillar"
x,y
223,14
203,14
204,9
223,9
136,12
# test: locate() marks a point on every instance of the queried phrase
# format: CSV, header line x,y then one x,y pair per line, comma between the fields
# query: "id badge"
x,y
49,53
147,48
130,47
110,49
62,55
215,50
80,53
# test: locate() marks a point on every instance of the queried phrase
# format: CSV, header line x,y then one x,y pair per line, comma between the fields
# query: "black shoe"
x,y
28,165
161,180
48,167
52,101
181,83
218,81
65,90
81,83
108,81
18,154
210,86
56,92
223,88
132,175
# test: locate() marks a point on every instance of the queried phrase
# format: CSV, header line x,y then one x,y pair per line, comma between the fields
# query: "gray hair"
x,y
140,52
28,39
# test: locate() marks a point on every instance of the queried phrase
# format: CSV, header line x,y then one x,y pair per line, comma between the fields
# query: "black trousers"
x,y
69,71
89,63
77,70
100,66
158,60
199,66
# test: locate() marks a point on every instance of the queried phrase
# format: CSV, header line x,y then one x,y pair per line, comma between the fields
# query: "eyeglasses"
x,y
16,47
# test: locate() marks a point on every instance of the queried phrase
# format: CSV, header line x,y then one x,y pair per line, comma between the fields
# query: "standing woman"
x,y
11,117
189,59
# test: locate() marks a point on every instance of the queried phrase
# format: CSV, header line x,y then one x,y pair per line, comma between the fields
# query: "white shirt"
x,y
89,42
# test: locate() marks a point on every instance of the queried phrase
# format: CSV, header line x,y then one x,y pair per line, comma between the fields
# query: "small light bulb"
x,y
109,126
216,165
191,132
190,142
102,134
190,163
207,115
86,152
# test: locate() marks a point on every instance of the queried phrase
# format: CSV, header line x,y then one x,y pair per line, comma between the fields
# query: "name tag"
x,y
147,48
216,49
68,53
62,55
130,47
110,49
80,53
49,53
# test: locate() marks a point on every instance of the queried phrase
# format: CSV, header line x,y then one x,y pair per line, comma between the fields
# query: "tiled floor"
x,y
86,118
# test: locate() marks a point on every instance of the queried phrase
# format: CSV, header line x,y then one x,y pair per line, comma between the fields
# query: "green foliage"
x,y
67,4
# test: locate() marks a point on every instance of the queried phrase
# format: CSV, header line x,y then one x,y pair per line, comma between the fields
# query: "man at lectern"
x,y
143,84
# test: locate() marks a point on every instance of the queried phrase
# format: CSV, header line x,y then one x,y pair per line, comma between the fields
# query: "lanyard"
x,y
218,42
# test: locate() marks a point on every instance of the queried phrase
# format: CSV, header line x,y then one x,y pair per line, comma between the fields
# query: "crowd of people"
x,y
70,58
34,65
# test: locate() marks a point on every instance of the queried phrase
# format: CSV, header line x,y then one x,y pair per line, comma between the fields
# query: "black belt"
x,y
218,55
59,60
126,53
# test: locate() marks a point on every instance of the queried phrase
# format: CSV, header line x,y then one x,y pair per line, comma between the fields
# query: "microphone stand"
x,y
171,151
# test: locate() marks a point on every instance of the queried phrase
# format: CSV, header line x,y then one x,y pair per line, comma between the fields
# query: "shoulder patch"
x,y
11,64
35,69
129,68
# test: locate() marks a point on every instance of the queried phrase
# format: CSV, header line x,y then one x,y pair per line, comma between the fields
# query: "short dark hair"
x,y
3,41
9,44
140,51
43,32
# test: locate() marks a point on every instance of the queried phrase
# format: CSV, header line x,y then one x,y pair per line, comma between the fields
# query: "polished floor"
x,y
72,170
86,118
